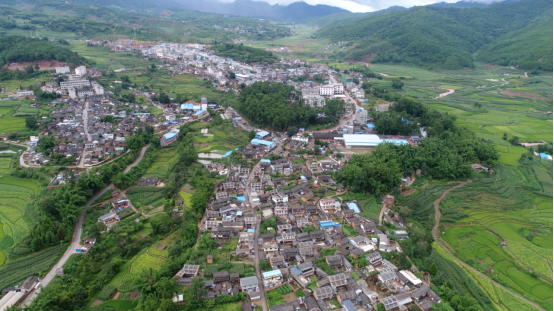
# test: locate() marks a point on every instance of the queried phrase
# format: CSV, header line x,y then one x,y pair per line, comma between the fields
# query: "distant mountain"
x,y
461,4
446,37
342,17
294,12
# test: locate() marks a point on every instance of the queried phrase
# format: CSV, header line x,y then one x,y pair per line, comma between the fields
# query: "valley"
x,y
412,160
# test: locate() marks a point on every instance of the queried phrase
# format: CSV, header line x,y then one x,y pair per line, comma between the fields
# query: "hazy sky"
x,y
365,5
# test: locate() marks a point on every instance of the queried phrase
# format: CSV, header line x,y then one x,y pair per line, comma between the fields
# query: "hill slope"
x,y
296,11
528,48
433,36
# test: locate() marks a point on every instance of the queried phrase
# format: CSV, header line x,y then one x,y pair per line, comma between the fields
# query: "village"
x,y
281,211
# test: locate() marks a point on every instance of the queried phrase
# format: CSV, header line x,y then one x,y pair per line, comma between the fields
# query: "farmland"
x,y
481,215
142,196
18,270
149,258
15,195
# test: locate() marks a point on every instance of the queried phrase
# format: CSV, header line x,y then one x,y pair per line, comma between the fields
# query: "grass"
x,y
187,197
20,182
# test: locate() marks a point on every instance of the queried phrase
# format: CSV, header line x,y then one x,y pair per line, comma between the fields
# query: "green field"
x,y
482,214
15,195
15,271
149,258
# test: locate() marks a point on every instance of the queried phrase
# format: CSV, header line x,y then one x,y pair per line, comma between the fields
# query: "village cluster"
x,y
306,246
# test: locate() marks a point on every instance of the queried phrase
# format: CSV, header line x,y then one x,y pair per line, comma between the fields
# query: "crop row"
x,y
18,270
530,258
146,261
143,189
285,289
156,252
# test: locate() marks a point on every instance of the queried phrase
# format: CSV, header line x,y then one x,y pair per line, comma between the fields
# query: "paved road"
x,y
75,241
436,237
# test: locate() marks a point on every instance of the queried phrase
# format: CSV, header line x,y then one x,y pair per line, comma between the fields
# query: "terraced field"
x,y
151,258
15,194
514,207
165,160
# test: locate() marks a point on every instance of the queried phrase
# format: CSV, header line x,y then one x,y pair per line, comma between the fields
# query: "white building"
x,y
72,92
361,117
62,69
338,88
81,71
25,93
301,138
65,85
84,93
98,89
327,90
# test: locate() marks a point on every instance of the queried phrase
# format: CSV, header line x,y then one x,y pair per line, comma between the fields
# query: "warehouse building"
x,y
259,142
361,140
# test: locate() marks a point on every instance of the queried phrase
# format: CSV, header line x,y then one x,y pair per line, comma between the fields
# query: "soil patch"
x,y
116,295
520,94
96,303
410,191
289,297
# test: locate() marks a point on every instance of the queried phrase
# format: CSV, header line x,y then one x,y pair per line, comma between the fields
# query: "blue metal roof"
x,y
353,206
544,156
169,135
262,142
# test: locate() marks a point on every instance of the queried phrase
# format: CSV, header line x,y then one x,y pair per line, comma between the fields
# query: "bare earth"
x,y
520,94
450,91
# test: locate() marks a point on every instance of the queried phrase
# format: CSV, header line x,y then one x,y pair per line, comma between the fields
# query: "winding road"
x,y
436,237
76,239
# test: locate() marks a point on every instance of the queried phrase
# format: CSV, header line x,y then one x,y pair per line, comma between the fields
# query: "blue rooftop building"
x,y
259,142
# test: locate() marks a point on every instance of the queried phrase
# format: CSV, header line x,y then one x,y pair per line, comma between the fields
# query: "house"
x,y
334,260
188,270
277,262
410,277
329,206
272,278
220,277
325,292
250,284
401,235
338,280
109,219
374,258
349,295
425,297
296,274
390,302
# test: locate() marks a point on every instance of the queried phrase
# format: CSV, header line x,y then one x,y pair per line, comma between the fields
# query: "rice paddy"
x,y
512,207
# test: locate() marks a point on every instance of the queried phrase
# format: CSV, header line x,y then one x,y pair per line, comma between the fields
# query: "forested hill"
x,y
438,36
529,47
23,49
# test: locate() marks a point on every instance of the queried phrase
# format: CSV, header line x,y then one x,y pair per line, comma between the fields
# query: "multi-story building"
x,y
98,89
60,70
361,117
327,90
272,278
78,84
81,71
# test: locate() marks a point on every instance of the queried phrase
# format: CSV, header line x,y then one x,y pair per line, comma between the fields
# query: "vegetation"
x,y
445,37
245,54
446,154
277,105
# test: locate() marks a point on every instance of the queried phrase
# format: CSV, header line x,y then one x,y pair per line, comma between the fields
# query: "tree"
x,y
197,289
31,123
505,136
168,305
134,143
514,140
397,84
381,307
291,130
251,135
433,269
97,229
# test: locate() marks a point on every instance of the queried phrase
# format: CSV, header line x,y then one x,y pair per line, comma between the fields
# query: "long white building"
x,y
78,84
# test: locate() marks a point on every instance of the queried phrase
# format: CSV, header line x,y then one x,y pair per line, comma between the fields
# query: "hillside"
x,y
294,12
79,21
529,47
245,54
433,36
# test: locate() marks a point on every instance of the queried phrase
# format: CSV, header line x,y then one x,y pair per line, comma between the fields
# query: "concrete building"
x,y
361,117
259,142
78,84
25,93
249,284
81,71
98,89
60,70
169,138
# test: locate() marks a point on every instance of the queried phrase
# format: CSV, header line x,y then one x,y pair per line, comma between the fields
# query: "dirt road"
x,y
450,91
436,237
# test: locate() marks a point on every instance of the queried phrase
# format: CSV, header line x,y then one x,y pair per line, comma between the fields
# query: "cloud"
x,y
368,5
